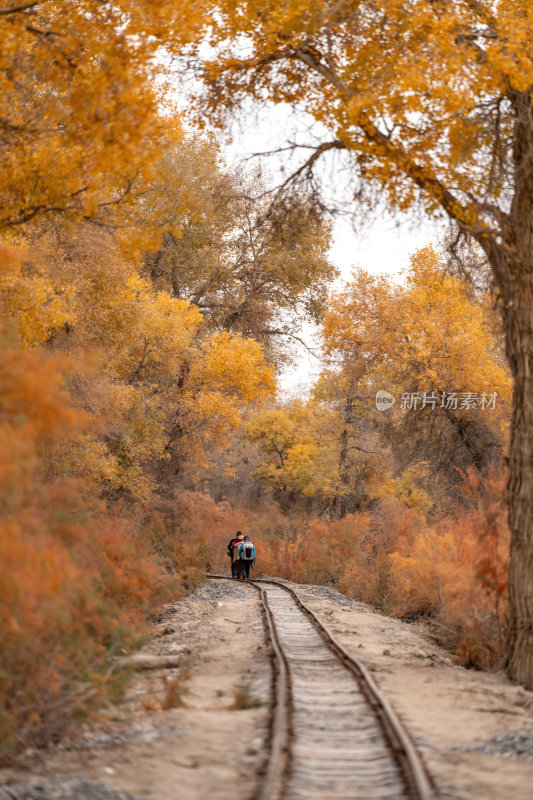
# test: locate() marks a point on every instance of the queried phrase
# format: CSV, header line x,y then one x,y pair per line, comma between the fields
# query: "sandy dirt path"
x,y
182,733
204,749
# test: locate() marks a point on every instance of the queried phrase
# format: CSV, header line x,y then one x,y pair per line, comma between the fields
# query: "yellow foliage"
x,y
404,488
302,444
226,376
235,365
428,334
37,305
79,107
141,367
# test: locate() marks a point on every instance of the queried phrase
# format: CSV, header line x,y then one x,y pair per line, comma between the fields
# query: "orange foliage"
x,y
74,584
452,574
76,577
456,572
196,532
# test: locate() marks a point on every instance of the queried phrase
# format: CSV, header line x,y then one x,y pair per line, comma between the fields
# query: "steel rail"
x,y
417,780
280,723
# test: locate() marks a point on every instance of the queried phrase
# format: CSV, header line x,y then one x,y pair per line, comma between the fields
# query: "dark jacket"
x,y
232,542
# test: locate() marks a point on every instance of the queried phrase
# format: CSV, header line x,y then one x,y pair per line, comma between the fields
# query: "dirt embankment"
x,y
197,731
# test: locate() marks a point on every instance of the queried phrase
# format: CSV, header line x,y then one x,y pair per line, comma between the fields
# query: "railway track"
x,y
333,735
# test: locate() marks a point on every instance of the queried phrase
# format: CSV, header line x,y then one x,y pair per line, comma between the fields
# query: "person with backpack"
x,y
233,553
247,557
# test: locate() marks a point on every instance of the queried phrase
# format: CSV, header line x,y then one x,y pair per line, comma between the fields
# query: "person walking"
x,y
247,557
236,564
234,542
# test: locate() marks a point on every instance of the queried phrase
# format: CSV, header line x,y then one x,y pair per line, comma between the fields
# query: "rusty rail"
x,y
280,724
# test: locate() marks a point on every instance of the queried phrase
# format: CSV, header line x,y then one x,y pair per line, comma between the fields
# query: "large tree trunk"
x,y
519,334
517,294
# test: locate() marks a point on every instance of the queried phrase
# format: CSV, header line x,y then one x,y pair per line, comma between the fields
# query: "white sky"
x,y
383,247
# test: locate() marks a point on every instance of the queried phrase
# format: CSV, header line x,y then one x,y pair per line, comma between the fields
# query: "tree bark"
x,y
519,334
343,456
518,322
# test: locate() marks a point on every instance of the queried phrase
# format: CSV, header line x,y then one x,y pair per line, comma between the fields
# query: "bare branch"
x,y
5,12
282,332
336,144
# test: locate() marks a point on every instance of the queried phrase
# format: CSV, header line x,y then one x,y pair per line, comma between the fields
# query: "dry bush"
x,y
76,576
456,573
244,698
75,586
453,573
195,532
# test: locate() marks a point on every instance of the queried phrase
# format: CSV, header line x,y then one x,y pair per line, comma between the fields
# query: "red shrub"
x,y
456,573
453,573
76,578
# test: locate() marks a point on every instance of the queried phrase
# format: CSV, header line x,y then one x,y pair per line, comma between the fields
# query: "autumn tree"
x,y
162,391
433,342
322,454
431,103
296,460
80,111
361,456
249,268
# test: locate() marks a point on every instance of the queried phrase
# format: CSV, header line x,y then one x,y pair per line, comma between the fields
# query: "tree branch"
x,y
336,144
137,371
5,12
395,152
281,332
